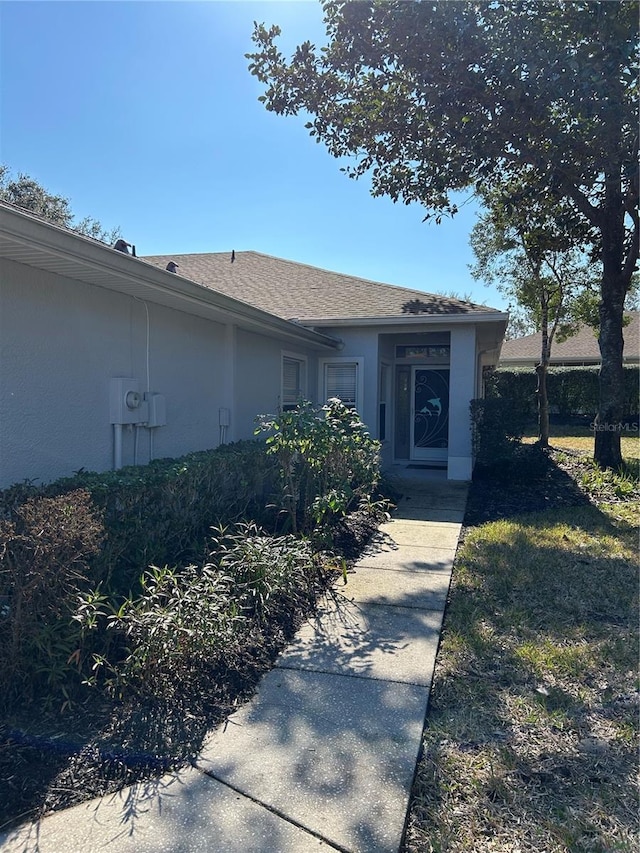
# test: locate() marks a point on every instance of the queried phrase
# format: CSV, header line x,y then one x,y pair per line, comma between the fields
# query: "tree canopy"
x,y
435,97
534,250
27,193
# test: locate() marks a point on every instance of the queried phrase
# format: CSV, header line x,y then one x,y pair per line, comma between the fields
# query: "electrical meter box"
x,y
126,403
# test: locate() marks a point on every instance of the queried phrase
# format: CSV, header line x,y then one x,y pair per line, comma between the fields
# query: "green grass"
x,y
532,735
581,439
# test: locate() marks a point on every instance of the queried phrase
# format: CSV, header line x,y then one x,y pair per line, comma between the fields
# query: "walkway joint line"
x,y
351,675
209,774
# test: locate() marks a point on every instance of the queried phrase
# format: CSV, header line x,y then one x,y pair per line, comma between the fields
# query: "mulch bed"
x,y
534,482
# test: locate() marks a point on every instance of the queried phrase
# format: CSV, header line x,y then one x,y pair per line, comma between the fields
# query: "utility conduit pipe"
x,y
117,446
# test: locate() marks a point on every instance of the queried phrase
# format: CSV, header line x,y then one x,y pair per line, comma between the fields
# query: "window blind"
x,y
291,381
341,381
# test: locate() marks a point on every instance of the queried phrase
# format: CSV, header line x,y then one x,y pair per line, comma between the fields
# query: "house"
x,y
108,359
578,350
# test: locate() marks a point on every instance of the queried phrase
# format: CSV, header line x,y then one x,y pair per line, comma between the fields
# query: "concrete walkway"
x,y
323,757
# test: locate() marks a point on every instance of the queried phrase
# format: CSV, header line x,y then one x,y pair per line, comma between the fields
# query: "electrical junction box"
x,y
157,404
126,403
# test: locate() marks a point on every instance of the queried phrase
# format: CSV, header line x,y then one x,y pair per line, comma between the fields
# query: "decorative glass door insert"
x,y
430,413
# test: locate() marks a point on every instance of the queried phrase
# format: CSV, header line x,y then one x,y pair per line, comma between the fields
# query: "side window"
x,y
343,379
384,399
293,381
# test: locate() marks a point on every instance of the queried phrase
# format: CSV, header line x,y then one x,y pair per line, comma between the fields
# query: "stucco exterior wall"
x,y
462,383
258,378
62,341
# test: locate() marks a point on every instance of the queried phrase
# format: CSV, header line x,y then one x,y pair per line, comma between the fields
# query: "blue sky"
x,y
145,116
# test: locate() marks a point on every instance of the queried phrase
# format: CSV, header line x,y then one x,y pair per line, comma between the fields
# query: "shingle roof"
x,y
583,346
297,291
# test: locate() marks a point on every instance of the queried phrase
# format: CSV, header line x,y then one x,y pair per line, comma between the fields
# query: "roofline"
x,y
411,319
34,241
350,276
525,360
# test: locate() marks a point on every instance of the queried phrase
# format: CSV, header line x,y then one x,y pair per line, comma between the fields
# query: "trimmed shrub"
x,y
45,548
101,532
497,425
572,391
162,513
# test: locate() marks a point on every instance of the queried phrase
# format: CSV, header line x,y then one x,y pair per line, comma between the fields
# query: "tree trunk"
x,y
543,406
542,370
607,452
608,422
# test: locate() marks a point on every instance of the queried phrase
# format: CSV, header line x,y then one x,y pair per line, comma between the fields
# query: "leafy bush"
x,y
269,573
178,622
45,547
328,462
184,621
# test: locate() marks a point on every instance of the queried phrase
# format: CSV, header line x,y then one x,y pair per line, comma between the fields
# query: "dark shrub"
x,y
497,425
573,391
46,544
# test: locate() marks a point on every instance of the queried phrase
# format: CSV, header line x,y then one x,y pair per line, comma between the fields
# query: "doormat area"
x,y
429,467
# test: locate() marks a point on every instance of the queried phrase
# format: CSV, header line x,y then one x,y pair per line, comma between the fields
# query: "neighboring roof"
x,y
579,348
311,295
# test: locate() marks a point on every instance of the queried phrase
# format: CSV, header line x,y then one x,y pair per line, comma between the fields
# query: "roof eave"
x,y
30,241
411,319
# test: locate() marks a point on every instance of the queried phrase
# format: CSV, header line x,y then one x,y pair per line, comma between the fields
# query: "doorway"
x,y
429,414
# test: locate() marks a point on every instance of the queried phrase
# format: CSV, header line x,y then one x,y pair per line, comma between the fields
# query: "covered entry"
x,y
422,400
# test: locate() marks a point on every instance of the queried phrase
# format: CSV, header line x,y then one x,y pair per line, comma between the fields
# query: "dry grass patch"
x,y
531,742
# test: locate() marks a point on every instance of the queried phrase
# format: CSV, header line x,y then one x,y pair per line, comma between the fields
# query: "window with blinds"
x,y
341,381
292,382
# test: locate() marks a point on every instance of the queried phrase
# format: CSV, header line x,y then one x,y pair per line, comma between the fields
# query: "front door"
x,y
430,413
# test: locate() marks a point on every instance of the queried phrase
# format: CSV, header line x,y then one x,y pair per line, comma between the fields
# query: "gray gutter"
x,y
410,319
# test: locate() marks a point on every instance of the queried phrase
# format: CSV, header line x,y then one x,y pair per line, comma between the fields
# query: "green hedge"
x,y
161,513
496,430
572,391
103,530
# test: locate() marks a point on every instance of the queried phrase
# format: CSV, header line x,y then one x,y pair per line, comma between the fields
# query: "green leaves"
x,y
432,98
327,459
28,194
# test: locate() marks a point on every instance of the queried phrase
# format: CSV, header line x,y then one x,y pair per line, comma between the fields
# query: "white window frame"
x,y
322,378
287,405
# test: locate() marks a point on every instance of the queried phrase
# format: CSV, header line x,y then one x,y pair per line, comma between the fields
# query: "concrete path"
x,y
323,757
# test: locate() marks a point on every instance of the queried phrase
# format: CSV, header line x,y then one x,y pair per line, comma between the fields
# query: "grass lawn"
x,y
581,438
531,741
